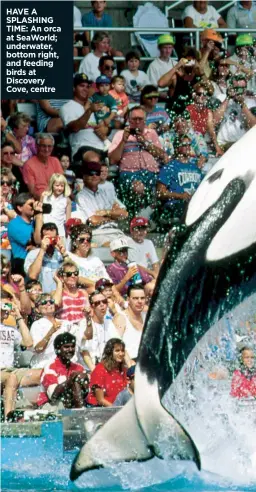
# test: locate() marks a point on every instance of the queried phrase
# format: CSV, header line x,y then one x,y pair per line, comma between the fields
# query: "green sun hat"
x,y
166,39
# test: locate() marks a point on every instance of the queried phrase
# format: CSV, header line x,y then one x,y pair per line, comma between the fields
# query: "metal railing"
x,y
178,2
225,7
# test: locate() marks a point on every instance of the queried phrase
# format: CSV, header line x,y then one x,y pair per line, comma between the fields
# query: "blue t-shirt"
x,y
110,105
180,178
89,20
19,234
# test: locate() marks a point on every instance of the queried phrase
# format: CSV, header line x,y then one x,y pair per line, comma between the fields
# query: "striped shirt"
x,y
42,118
72,308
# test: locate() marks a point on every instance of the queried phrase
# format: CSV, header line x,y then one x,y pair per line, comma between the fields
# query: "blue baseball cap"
x,y
103,79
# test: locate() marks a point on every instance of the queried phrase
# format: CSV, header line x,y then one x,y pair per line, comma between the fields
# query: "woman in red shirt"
x,y
109,376
243,384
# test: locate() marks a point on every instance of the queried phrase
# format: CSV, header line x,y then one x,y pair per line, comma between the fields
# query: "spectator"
x,y
180,80
109,376
202,118
24,228
42,263
28,296
79,119
57,196
243,384
163,63
135,79
7,282
106,185
142,250
100,210
235,114
102,330
200,14
137,151
124,396
243,59
90,63
68,173
210,52
118,93
97,17
107,104
64,382
90,267
156,116
107,66
105,286
121,273
11,162
220,79
178,180
48,115
38,170
130,322
242,15
74,301
25,146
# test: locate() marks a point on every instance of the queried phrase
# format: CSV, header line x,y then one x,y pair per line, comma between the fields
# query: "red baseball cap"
x,y
138,222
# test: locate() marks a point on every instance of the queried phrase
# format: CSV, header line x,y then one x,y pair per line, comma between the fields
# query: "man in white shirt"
x,y
163,63
78,118
98,208
142,250
200,14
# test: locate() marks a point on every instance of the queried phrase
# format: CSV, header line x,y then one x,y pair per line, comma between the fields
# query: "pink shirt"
x,y
38,174
134,156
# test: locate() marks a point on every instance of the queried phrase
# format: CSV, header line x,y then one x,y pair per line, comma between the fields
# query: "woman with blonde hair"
x,y
57,196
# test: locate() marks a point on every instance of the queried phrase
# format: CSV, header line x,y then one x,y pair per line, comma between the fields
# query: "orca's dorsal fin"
x,y
122,438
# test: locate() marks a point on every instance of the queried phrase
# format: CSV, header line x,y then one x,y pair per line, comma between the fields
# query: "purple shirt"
x,y
117,272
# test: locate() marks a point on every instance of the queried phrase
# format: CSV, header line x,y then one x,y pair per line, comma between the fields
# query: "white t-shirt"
x,y
91,267
72,111
143,253
90,66
157,69
101,334
232,127
209,19
10,338
58,213
39,330
132,82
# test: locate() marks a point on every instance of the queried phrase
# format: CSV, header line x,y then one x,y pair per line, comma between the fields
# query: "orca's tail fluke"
x,y
120,439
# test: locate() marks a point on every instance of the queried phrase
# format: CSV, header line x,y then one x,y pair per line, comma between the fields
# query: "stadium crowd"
x,y
84,183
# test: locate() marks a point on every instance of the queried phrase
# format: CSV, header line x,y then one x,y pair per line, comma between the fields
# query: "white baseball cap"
x,y
118,244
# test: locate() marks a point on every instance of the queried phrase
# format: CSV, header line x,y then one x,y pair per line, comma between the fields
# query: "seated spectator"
x,y
180,79
48,115
7,282
109,376
210,53
68,173
45,330
156,116
24,229
137,151
178,180
100,210
38,170
102,330
29,292
242,15
220,78
118,93
90,63
74,301
107,67
57,196
130,322
121,273
243,60
243,384
18,126
115,304
135,79
162,64
106,185
10,161
202,118
200,14
142,250
64,383
42,263
96,17
182,126
78,118
236,114
124,396
90,267
106,103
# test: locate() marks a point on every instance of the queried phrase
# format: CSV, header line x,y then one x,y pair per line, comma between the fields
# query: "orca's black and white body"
x,y
208,276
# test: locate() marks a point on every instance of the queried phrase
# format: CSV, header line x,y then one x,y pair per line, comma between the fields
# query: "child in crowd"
x,y
135,79
108,105
65,164
57,196
118,93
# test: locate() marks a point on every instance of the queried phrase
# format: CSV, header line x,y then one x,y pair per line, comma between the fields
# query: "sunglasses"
x,y
93,173
122,250
82,240
97,303
8,183
8,153
202,94
71,274
46,301
109,67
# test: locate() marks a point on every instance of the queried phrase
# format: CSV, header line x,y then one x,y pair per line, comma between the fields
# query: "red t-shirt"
x,y
199,119
38,174
110,382
241,386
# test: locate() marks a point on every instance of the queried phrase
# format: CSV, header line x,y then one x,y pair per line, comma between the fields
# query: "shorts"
x,y
19,373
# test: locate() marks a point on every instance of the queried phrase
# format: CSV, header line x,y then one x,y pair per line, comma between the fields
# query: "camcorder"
x,y
134,131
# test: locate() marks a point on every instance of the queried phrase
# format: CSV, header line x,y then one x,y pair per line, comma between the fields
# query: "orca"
x,y
208,275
